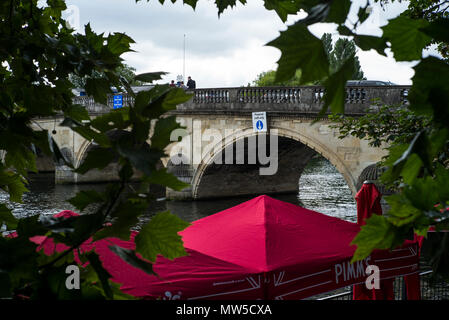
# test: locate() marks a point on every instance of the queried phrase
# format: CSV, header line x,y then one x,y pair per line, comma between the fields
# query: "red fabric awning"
x,y
261,249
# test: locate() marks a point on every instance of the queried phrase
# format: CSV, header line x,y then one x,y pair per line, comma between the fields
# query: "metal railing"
x,y
430,290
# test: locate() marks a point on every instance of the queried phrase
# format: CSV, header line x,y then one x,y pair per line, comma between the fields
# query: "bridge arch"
x,y
107,174
282,132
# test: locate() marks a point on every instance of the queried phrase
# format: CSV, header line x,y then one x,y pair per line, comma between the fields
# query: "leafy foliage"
x,y
383,125
267,79
296,54
40,57
417,137
338,54
407,41
126,72
154,238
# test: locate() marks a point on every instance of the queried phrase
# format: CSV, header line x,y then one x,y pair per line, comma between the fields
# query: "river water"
x,y
321,188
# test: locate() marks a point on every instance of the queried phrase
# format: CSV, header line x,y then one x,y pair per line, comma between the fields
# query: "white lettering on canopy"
x,y
349,271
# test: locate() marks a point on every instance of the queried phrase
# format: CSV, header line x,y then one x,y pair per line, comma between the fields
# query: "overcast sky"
x,y
228,51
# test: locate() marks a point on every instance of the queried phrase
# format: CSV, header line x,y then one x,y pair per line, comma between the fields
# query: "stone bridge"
x,y
219,153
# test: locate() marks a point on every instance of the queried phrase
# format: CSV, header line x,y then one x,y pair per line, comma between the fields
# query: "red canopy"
x,y
261,249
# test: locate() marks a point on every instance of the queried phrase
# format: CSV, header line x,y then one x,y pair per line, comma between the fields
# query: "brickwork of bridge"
x,y
219,153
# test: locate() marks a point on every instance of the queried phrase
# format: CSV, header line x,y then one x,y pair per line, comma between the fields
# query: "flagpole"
x,y
184,61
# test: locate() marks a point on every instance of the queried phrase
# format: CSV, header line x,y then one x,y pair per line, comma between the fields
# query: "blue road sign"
x,y
260,121
118,101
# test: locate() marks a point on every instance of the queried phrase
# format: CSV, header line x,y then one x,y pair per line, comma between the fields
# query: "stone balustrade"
x,y
304,99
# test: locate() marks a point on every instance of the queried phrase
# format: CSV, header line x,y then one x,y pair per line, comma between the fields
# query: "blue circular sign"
x,y
259,125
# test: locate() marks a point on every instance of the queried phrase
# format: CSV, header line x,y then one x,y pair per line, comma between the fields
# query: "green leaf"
x,y
126,172
118,43
150,76
419,146
162,131
344,30
191,3
18,260
21,159
14,184
84,227
130,257
118,294
116,119
335,94
339,10
327,11
407,39
140,127
30,227
125,217
283,7
42,140
86,132
89,134
174,97
224,4
442,183
77,112
149,103
363,14
395,152
85,198
411,168
160,236
97,158
98,88
438,141
163,178
300,50
437,29
429,94
6,217
376,234
143,99
366,43
142,157
403,211
102,273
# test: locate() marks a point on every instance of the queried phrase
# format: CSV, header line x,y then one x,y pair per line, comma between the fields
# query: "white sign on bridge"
x,y
260,122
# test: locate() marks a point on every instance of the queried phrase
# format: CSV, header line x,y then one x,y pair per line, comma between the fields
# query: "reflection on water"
x,y
321,188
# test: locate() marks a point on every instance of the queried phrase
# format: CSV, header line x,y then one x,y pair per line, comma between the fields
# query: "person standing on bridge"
x,y
191,84
183,86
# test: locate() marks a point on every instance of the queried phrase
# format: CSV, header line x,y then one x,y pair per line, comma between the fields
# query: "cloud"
x,y
219,52
377,67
